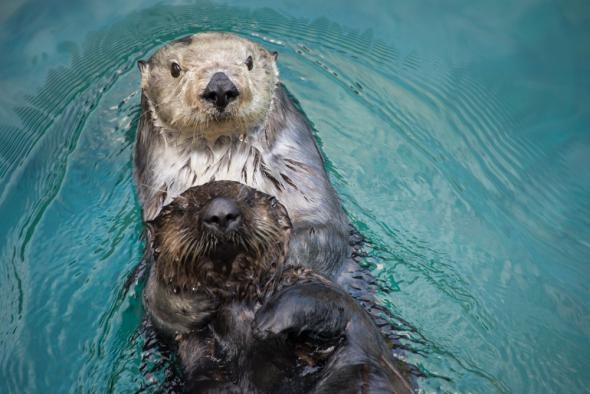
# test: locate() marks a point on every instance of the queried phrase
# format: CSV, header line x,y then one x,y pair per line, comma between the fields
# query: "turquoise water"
x,y
457,137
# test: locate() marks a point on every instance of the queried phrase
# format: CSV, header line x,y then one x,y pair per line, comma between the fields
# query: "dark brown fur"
x,y
193,273
242,321
186,253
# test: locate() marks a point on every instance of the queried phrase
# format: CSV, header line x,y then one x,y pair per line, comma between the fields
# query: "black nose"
x,y
220,91
222,214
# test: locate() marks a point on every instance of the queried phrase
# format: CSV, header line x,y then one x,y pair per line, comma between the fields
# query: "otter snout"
x,y
222,215
220,91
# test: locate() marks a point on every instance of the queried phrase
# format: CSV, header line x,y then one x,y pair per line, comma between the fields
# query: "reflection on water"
x,y
468,182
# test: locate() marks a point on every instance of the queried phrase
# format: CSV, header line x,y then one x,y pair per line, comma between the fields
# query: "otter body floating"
x,y
241,319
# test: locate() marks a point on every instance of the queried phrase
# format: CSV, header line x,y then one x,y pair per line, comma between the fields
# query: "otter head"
x,y
222,238
210,84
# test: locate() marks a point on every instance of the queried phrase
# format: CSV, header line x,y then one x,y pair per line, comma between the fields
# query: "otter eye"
x,y
175,69
249,63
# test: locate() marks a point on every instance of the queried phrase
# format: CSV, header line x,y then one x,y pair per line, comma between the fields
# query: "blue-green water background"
x,y
456,134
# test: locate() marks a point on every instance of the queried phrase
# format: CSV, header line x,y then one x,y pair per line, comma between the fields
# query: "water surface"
x,y
456,136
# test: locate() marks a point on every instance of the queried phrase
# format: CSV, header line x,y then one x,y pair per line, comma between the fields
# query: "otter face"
x,y
210,84
221,236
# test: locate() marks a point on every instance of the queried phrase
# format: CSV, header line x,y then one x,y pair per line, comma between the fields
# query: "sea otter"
x,y
212,108
243,320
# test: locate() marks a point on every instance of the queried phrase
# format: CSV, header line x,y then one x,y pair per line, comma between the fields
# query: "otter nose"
x,y
220,91
222,214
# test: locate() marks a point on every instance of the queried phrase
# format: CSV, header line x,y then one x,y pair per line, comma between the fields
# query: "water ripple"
x,y
427,160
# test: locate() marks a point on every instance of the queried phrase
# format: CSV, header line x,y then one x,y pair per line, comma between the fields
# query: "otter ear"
x,y
275,55
142,65
144,68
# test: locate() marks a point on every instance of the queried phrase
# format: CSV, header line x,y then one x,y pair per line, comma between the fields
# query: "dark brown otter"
x,y
242,320
220,242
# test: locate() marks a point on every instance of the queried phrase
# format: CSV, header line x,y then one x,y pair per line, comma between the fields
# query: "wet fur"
x,y
261,140
308,336
247,323
191,277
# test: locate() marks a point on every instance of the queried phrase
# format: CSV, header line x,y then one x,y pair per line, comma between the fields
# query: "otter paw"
x,y
312,311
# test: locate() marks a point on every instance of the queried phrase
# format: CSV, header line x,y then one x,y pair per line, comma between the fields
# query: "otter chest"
x,y
176,170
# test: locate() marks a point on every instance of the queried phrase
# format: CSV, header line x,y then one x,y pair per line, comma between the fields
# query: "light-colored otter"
x,y
241,319
213,109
